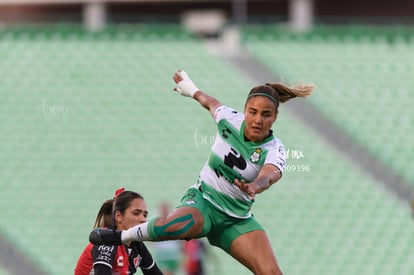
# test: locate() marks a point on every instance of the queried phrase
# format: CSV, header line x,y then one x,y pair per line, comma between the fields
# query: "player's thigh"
x,y
190,218
183,222
253,250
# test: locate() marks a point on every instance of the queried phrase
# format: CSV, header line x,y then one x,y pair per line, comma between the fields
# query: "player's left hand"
x,y
248,188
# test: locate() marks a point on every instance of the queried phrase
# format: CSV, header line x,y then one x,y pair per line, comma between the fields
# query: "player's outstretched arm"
x,y
268,175
186,87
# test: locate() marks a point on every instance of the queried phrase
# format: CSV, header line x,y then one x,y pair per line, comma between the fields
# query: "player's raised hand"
x,y
185,86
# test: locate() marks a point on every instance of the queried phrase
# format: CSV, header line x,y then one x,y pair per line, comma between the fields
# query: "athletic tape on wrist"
x,y
186,86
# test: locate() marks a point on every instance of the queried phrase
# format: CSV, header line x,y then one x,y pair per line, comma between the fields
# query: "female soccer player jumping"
x,y
245,160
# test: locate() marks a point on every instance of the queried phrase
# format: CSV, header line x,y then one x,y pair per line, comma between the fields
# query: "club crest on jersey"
x,y
255,156
137,260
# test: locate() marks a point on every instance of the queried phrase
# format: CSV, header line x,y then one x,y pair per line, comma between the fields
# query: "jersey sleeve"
x,y
277,156
154,270
147,261
104,255
224,112
101,269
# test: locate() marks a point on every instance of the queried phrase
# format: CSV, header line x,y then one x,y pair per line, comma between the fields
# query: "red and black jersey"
x,y
112,259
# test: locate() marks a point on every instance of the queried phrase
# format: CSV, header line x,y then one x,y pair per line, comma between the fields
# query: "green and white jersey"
x,y
232,157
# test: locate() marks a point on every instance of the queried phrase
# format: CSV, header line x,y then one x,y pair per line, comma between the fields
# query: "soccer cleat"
x,y
104,236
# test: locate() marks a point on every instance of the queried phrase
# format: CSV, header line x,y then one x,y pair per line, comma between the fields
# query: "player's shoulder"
x,y
226,112
275,143
277,140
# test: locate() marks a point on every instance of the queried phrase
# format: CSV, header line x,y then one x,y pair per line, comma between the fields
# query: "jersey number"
x,y
234,159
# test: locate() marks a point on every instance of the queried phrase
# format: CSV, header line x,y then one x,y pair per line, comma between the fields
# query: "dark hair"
x,y
279,93
106,214
104,217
